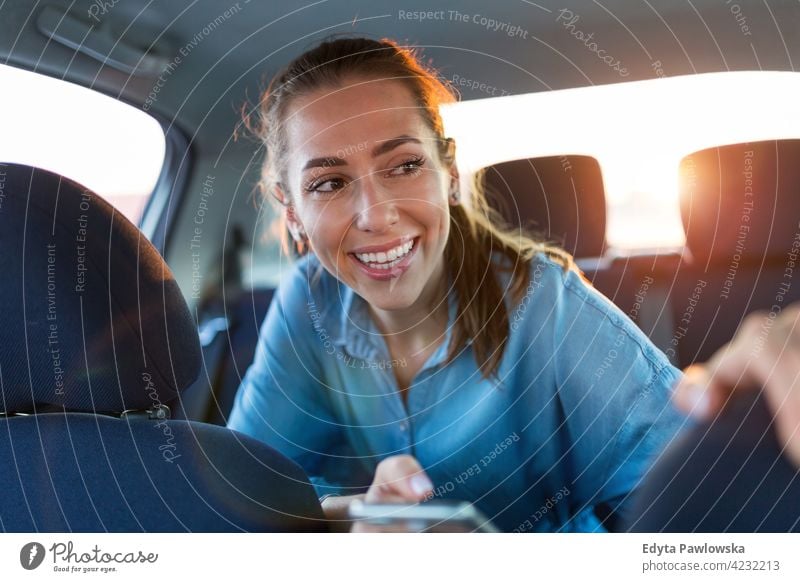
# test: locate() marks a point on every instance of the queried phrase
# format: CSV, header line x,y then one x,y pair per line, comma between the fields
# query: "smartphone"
x,y
430,516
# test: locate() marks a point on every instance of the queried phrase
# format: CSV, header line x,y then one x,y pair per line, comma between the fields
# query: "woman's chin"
x,y
388,299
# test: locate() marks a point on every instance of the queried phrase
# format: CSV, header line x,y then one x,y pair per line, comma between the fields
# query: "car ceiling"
x,y
227,65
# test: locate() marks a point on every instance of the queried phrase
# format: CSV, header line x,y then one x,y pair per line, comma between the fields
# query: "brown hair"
x,y
475,236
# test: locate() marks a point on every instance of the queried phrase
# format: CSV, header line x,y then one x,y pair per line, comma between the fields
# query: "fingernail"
x,y
420,484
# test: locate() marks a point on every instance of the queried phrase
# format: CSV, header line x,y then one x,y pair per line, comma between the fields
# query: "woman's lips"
x,y
392,272
384,247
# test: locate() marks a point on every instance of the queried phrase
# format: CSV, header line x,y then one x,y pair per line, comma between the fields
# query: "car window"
x,y
638,150
100,142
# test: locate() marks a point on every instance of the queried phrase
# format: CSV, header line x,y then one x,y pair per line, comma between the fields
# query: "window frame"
x,y
160,210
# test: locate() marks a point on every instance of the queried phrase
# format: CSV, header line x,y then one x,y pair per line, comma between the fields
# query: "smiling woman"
x,y
401,267
343,107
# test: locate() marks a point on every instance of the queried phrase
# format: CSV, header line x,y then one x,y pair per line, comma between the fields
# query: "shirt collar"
x,y
360,338
358,335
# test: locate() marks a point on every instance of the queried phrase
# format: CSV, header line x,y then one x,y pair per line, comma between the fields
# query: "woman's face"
x,y
368,187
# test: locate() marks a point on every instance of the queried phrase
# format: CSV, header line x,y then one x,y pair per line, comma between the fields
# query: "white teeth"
x,y
386,260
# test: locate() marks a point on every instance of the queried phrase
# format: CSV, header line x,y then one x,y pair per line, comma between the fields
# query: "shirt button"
x,y
404,426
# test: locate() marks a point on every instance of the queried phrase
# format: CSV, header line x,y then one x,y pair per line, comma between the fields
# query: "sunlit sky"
x,y
104,144
638,131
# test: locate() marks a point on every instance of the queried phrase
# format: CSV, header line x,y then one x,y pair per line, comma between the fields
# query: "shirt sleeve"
x,y
282,400
615,389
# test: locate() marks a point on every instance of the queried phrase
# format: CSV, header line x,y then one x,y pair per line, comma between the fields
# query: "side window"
x,y
104,144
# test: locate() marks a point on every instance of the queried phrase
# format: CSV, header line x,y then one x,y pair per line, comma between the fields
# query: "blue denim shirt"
x,y
557,442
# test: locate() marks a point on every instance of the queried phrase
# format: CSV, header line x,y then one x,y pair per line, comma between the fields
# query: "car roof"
x,y
517,46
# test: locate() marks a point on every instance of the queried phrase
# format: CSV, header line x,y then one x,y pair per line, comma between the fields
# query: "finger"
x,y
773,360
737,365
780,361
386,494
402,476
706,388
782,394
698,394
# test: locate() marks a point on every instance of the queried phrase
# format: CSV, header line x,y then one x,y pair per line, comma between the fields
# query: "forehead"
x,y
352,117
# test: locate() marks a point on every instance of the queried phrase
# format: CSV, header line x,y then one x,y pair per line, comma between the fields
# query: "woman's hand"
x,y
399,479
764,353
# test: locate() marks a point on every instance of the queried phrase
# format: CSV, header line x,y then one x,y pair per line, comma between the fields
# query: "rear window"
x,y
638,132
104,144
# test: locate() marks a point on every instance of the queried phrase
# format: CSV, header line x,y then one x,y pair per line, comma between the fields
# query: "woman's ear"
x,y
449,160
293,223
449,151
279,194
295,226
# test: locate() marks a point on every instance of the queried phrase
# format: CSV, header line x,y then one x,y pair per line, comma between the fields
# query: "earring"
x,y
300,240
296,230
454,196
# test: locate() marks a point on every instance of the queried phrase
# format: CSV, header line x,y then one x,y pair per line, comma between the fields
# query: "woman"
x,y
417,350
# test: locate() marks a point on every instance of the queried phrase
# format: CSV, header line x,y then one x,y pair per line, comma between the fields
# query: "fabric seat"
x,y
97,342
560,198
741,213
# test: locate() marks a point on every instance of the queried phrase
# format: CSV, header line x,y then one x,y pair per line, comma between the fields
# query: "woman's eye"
x,y
408,167
327,186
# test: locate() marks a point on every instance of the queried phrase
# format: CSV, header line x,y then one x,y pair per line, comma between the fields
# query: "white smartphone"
x,y
429,516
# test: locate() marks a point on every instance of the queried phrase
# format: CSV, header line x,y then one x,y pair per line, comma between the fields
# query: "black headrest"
x,y
92,318
742,202
560,197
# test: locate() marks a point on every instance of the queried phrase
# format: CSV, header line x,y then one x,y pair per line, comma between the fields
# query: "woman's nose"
x,y
377,210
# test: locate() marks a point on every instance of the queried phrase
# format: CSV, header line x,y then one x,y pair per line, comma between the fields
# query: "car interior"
x,y
139,258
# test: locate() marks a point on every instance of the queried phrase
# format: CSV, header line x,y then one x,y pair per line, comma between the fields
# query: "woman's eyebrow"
x,y
380,149
390,144
325,162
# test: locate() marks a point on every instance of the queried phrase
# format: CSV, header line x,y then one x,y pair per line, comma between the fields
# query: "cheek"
x,y
444,229
441,213
326,228
431,204
434,217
